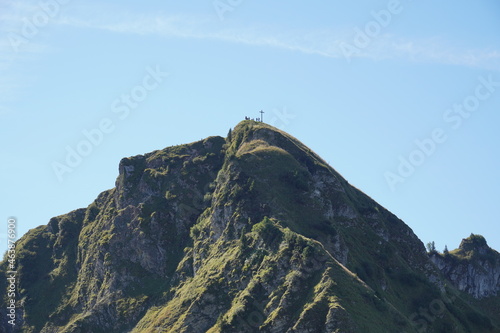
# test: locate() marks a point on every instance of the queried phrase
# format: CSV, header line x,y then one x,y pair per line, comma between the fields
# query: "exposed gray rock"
x,y
473,268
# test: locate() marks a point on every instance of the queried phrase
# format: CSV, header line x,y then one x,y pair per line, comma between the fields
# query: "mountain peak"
x,y
261,133
252,233
474,243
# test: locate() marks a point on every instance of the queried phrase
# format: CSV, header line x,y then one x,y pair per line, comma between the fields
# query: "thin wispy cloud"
x,y
324,43
13,17
436,50
321,43
17,48
202,28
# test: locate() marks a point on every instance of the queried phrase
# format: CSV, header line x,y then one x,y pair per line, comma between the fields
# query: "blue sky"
x,y
401,97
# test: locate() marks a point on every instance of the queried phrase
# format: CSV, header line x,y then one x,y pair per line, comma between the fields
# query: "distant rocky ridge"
x,y
249,233
474,267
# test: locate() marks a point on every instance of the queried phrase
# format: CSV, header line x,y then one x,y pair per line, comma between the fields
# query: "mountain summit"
x,y
249,233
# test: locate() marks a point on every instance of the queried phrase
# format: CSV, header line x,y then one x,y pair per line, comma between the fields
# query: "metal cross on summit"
x,y
261,116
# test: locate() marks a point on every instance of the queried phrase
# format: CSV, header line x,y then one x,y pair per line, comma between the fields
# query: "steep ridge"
x,y
252,233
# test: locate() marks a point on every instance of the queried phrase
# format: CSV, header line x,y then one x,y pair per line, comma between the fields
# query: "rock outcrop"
x,y
473,268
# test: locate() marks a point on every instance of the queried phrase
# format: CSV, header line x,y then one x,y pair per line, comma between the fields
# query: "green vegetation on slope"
x,y
250,233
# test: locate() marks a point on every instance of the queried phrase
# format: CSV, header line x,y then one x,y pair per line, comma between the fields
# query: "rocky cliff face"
x,y
252,233
474,267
